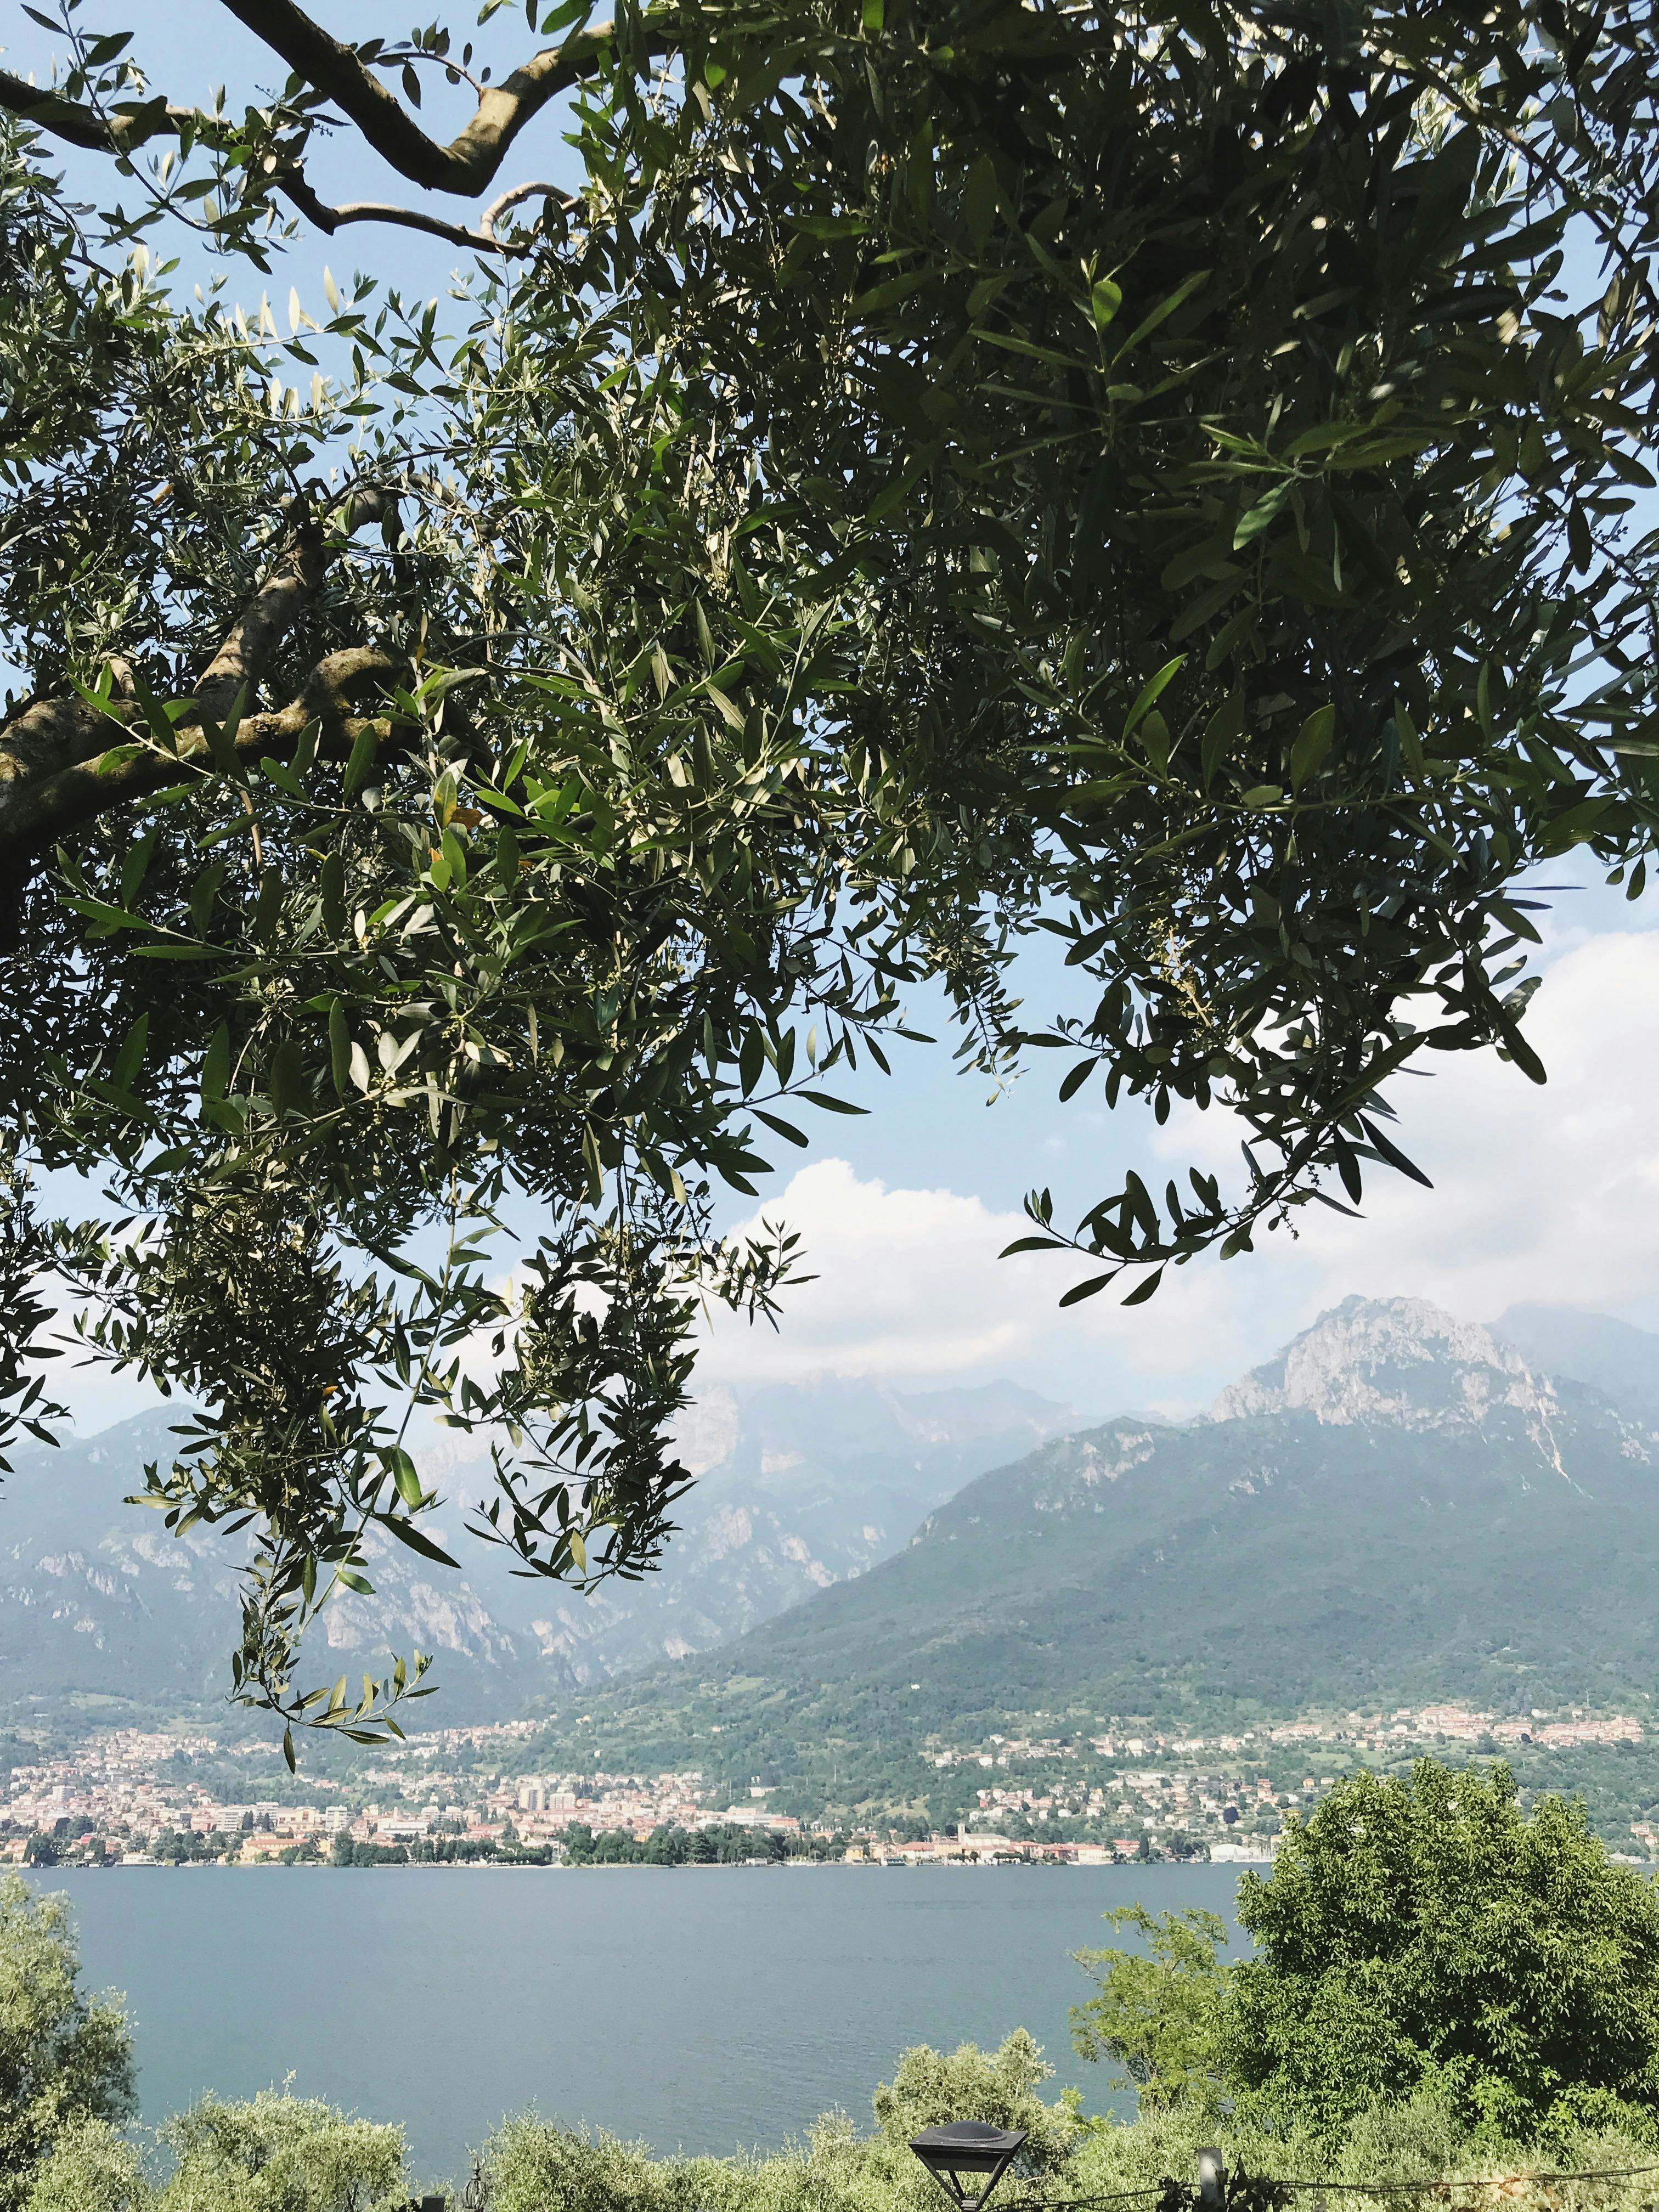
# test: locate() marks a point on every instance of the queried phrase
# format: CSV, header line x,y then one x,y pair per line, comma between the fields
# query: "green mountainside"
x,y
1400,1508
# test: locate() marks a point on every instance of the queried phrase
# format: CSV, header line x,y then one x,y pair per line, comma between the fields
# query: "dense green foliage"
x,y
1422,1938
538,2166
953,470
1419,1947
1157,2014
534,2166
92,2167
65,2059
275,2153
280,2154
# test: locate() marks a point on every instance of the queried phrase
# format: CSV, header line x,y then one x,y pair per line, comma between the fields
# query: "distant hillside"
x,y
104,1616
1619,1361
1399,1507
800,1486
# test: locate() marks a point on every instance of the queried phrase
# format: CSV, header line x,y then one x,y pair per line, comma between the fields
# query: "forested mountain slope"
x,y
1398,1507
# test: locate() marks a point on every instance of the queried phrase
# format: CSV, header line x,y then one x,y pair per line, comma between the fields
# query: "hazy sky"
x,y
1548,1195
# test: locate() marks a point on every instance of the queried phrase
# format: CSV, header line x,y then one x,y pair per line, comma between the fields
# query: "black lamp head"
x,y
968,2157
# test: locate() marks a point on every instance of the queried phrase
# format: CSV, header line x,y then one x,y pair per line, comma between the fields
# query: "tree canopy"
x,y
1420,1942
1157,2013
1421,1937
947,471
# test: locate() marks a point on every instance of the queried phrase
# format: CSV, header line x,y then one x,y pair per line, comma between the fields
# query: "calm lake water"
x,y
694,2007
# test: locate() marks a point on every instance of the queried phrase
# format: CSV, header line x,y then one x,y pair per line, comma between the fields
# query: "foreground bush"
x,y
275,2153
1421,1939
282,2153
91,2167
65,2059
536,2165
1421,1949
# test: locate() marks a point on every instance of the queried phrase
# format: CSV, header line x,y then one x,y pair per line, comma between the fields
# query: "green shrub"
x,y
282,2153
534,2166
1000,2086
91,2167
1420,1939
1157,2013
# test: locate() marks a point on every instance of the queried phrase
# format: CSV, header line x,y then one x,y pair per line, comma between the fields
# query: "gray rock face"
x,y
105,1615
1399,1360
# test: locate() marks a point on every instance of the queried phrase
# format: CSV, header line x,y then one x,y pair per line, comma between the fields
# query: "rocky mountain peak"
x,y
1400,1361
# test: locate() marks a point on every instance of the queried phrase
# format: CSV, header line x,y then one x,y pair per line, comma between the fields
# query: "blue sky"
x,y
1548,1195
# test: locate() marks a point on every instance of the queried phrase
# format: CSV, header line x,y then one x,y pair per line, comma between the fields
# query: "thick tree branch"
x,y
265,621
55,770
464,167
80,126
481,240
469,163
34,815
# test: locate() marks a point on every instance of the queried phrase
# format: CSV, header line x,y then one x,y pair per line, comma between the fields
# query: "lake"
x,y
700,2008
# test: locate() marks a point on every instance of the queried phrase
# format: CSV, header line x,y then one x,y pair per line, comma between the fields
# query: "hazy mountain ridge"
x,y
1401,1503
1589,1349
99,1606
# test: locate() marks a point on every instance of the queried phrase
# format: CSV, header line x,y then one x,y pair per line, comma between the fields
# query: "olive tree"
x,y
948,471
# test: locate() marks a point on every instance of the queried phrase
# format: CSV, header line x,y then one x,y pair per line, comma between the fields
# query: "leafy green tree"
x,y
1157,2014
282,2153
91,2167
1422,1937
953,471
65,2059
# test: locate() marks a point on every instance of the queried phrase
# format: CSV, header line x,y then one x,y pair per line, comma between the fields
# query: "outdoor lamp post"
x,y
476,2196
968,2157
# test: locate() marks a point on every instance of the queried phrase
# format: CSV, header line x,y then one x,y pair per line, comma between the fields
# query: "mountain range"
x,y
104,1616
1400,1507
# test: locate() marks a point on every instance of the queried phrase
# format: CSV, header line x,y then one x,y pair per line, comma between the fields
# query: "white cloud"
x,y
1548,1195
1542,1194
909,1289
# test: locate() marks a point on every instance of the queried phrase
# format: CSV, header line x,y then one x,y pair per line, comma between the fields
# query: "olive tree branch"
x,y
464,167
483,239
58,768
470,160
